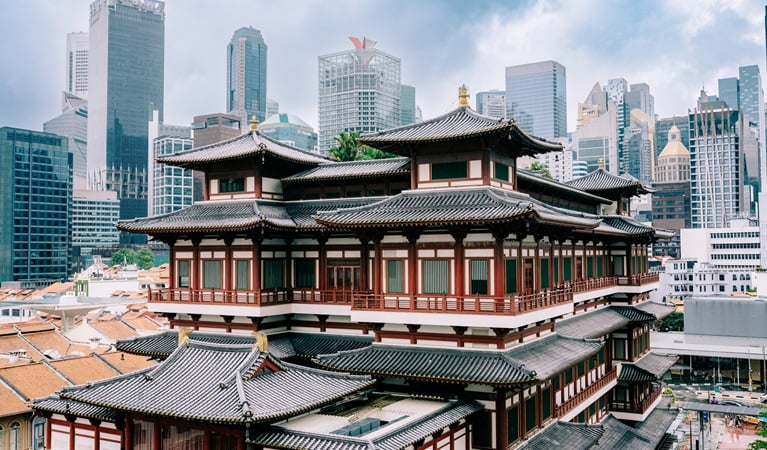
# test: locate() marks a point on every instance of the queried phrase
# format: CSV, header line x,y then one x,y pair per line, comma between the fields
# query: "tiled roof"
x,y
396,439
633,314
529,181
113,329
572,436
55,404
249,145
309,345
618,435
552,354
230,384
11,403
655,364
434,364
631,373
33,380
441,207
352,170
628,225
655,426
303,212
161,345
592,324
125,362
53,340
601,180
461,123
659,310
83,369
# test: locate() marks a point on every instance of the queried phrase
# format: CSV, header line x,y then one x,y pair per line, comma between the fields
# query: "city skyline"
x,y
456,44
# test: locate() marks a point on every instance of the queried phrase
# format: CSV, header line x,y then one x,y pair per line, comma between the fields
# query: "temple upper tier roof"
x,y
461,123
600,181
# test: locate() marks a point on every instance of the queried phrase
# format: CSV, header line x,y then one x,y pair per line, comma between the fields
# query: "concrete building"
x,y
73,124
208,129
492,103
359,90
291,130
684,278
536,96
94,215
126,60
597,142
736,245
35,200
171,187
246,74
272,107
671,200
407,105
77,65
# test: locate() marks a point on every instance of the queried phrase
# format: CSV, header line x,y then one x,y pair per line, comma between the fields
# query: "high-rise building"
x,y
729,91
671,200
272,107
246,74
595,139
359,90
752,103
638,154
35,199
77,64
664,125
94,214
209,129
536,95
170,188
73,124
125,83
290,129
407,104
492,103
716,164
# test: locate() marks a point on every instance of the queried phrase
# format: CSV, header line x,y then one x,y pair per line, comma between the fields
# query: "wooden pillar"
x,y
501,420
460,263
412,263
520,267
256,274
258,186
364,264
288,264
539,407
48,432
72,432
196,274
486,166
97,437
128,433
172,281
156,443
574,262
537,266
377,266
552,282
413,169
229,268
206,440
499,288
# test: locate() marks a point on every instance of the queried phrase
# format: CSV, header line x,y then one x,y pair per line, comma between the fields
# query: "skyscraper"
x,y
407,104
246,74
729,91
536,95
359,90
73,123
492,103
125,83
35,199
77,64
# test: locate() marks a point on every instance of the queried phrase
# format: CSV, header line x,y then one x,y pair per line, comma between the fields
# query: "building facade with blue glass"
x,y
35,197
125,83
536,96
246,74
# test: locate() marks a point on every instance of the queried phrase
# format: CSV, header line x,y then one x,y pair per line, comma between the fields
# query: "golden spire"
x,y
463,96
253,123
601,164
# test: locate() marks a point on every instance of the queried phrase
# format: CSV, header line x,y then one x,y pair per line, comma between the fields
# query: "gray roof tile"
x,y
601,180
552,354
55,404
631,373
592,324
655,364
352,170
572,436
659,310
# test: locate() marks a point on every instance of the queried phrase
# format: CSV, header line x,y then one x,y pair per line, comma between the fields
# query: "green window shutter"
x,y
450,170
530,413
590,266
501,171
600,268
211,274
479,276
435,276
556,269
546,400
511,276
544,273
242,274
568,269
512,416
182,273
274,274
394,271
305,274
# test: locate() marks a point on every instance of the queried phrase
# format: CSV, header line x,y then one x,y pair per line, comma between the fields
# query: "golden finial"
x,y
183,336
253,123
463,96
601,164
262,343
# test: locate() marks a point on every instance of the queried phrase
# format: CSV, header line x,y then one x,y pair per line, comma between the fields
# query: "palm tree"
x,y
347,146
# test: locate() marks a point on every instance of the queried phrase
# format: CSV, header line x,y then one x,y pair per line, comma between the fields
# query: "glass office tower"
x,y
35,196
536,96
125,83
246,75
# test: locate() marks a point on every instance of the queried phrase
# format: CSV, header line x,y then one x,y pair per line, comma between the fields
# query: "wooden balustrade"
x,y
637,407
587,392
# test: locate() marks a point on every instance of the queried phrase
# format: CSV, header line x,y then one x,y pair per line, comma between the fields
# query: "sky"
x,y
677,47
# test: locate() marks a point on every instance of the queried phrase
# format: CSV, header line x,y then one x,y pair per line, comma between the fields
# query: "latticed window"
x,y
449,170
305,273
394,276
274,274
479,270
242,274
435,276
501,171
211,274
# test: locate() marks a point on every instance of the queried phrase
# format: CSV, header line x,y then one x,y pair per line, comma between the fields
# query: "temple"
x,y
466,302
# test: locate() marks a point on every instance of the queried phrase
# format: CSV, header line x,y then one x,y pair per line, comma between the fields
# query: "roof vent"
x,y
52,354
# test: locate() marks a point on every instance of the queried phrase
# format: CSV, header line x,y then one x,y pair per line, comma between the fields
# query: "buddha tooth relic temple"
x,y
440,299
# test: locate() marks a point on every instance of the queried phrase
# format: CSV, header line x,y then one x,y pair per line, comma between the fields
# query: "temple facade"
x,y
442,273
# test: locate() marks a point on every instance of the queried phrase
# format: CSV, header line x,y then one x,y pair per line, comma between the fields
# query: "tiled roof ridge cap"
x,y
328,373
461,109
264,148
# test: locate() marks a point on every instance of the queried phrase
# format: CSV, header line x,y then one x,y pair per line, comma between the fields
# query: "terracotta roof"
x,y
230,384
440,207
246,146
114,329
143,323
396,439
461,123
11,403
83,369
53,340
9,343
126,363
352,170
33,380
601,180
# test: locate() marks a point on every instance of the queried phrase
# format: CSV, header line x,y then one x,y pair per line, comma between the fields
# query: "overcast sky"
x,y
675,46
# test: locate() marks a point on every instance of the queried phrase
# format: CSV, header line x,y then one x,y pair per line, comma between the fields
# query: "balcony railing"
x,y
637,407
590,390
592,284
638,279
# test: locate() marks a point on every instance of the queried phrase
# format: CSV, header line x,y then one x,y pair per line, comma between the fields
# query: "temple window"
x,y
182,271
211,274
274,274
511,276
395,275
142,435
512,424
435,276
242,274
501,171
449,170
231,185
530,414
304,273
479,276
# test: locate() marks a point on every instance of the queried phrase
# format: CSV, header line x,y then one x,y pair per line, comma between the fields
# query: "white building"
x,y
737,245
492,103
170,188
94,214
77,64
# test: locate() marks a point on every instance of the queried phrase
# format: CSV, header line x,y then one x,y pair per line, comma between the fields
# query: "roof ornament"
x,y
183,336
262,343
253,123
463,96
601,164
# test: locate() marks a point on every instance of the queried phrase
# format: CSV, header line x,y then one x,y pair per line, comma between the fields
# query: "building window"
x,y
242,274
14,437
511,276
546,402
512,417
38,433
182,273
435,276
143,433
274,277
501,171
211,274
305,273
530,414
449,170
481,430
394,276
479,269
231,185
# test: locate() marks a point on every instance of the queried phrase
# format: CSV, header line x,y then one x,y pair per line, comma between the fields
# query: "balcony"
x,y
593,388
637,407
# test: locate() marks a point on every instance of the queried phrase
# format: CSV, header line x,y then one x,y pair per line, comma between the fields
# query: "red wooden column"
x,y
48,432
501,420
156,443
412,266
172,281
128,433
520,268
322,281
552,282
364,263
377,266
196,269
288,264
460,263
256,280
71,433
228,264
537,266
498,289
206,440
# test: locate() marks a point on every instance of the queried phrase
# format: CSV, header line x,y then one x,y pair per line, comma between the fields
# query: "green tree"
x,y
348,148
145,258
124,256
541,168
673,322
761,430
